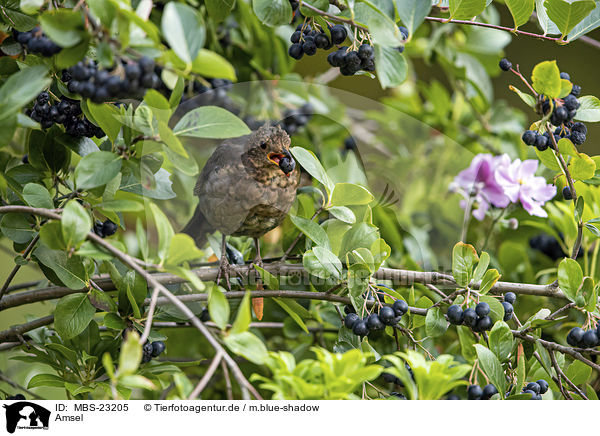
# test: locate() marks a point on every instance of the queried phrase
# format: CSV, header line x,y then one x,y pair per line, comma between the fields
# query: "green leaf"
x,y
322,263
520,10
31,6
284,303
350,194
570,277
464,257
566,15
496,308
382,28
107,117
312,230
589,23
343,214
589,110
69,270
528,99
131,354
548,159
546,79
467,340
17,228
37,196
20,88
578,372
102,301
273,12
183,28
492,368
412,13
218,307
268,279
247,345
390,65
182,248
105,10
210,64
312,166
243,317
50,380
466,9
72,315
75,223
219,9
121,206
210,122
97,169
484,261
164,230
489,280
501,340
63,26
435,323
582,167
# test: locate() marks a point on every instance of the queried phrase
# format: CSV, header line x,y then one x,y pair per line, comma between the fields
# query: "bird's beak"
x,y
275,157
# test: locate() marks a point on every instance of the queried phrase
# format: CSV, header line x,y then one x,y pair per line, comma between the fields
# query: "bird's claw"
x,y
224,272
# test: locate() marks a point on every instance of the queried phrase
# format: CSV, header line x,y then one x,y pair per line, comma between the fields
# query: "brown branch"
x,y
207,376
561,375
13,333
16,268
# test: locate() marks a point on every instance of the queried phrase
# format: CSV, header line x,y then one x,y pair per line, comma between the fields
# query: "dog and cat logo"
x,y
26,415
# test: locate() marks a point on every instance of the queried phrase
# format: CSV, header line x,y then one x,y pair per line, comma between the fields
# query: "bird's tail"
x,y
198,228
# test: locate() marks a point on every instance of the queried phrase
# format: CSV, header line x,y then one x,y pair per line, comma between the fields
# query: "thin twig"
x,y
228,387
207,376
559,375
16,268
18,386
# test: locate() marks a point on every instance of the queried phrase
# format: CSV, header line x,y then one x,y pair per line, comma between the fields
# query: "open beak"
x,y
275,157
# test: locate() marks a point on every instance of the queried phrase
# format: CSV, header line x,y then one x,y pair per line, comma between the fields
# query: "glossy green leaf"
x,y
210,122
183,28
72,315
492,368
566,14
570,277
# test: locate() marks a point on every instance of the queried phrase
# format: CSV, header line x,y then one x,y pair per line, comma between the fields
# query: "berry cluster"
x,y
306,40
536,389
549,246
478,319
107,228
352,61
580,338
387,316
36,42
66,112
152,349
474,392
100,85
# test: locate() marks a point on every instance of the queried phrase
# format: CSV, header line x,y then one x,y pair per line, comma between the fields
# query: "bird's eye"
x,y
263,145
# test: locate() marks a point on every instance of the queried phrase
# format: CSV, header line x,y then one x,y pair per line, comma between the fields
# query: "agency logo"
x,y
26,415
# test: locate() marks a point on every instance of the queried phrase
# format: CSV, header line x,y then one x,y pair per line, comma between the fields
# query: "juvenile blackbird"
x,y
246,188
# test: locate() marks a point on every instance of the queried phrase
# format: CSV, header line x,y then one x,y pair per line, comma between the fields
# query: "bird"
x,y
246,188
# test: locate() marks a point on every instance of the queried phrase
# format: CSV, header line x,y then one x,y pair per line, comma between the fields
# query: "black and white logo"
x,y
26,415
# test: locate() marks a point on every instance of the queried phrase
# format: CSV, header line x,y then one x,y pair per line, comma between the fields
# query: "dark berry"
x,y
576,90
559,115
295,36
469,316
508,310
567,194
488,392
529,137
510,297
577,138
452,397
365,51
565,76
98,229
505,64
157,348
455,314
309,47
484,324
400,306
543,386
338,34
530,392
541,142
474,392
133,71
350,320
404,31
374,323
295,51
360,328
348,308
387,315
351,59
482,309
533,386
109,228
579,127
322,41
590,339
146,64
575,336
205,315
571,102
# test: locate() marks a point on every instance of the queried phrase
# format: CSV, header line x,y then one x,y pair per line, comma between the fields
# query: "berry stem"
x,y
518,73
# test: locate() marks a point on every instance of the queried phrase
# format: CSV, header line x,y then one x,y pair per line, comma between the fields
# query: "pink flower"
x,y
479,183
520,184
